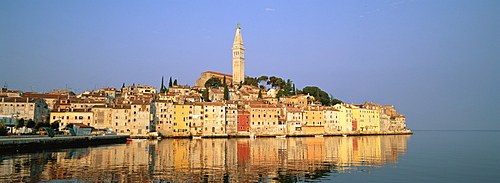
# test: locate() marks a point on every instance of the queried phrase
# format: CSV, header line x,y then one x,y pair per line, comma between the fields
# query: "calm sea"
x,y
426,156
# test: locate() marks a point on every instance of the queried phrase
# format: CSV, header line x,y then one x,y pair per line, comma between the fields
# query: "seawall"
x,y
22,143
248,135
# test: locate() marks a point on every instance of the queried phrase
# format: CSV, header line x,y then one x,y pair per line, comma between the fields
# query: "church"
x,y
238,64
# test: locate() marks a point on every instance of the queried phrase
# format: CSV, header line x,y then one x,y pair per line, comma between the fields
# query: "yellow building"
x,y
102,117
197,119
366,119
294,121
163,111
297,100
180,127
344,117
65,117
167,97
314,121
330,117
139,117
214,123
231,117
121,118
264,120
25,107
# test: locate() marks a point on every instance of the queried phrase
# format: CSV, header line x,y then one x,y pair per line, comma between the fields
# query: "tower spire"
x,y
238,57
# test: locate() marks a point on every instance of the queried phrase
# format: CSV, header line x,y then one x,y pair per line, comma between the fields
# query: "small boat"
x,y
344,135
196,137
318,136
252,136
129,140
280,136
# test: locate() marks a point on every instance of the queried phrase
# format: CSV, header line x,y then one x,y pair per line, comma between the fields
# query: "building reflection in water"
x,y
208,160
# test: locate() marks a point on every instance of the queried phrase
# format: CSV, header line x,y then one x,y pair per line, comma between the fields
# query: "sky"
x,y
437,62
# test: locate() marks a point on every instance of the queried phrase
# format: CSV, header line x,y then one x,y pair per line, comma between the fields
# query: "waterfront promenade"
x,y
39,141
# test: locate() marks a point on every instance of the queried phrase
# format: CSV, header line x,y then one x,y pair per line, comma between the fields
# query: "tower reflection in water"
x,y
212,160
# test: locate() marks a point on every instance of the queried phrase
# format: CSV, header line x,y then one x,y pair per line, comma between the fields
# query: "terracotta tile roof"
x,y
212,72
82,125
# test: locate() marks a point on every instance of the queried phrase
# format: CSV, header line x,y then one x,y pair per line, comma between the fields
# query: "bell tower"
x,y
238,57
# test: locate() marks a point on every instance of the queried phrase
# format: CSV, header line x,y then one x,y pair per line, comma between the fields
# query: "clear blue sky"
x,y
436,61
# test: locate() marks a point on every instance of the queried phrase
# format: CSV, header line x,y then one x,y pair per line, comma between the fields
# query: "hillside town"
x,y
182,112
219,105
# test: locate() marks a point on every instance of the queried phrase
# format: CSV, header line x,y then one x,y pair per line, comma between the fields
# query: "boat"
x,y
280,136
196,137
252,136
344,135
318,136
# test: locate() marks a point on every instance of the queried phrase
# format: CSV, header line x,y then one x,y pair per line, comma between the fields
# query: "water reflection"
x,y
208,160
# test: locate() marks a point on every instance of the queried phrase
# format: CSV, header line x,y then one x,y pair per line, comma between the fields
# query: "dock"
x,y
21,143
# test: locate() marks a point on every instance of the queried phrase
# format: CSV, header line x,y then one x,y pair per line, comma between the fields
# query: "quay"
x,y
249,135
22,143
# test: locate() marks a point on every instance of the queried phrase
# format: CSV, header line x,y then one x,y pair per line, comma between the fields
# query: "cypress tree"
x,y
226,92
260,94
205,95
163,89
170,82
175,82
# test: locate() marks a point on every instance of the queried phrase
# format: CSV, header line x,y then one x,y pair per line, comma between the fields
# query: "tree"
x,y
262,79
123,85
163,89
175,82
20,123
3,129
39,125
204,95
224,82
319,95
281,93
170,82
287,88
55,125
30,124
213,83
334,101
260,94
226,92
69,125
250,81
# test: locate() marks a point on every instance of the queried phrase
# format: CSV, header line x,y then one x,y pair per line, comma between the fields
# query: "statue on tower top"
x,y
238,25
